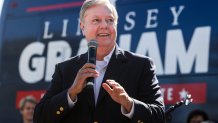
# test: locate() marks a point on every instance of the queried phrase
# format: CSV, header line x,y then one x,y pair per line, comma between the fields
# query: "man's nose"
x,y
103,24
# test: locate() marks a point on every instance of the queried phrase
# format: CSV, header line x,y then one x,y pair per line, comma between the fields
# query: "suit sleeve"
x,y
149,106
54,105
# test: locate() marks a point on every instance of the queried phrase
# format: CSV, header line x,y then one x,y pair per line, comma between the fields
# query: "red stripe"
x,y
197,90
53,7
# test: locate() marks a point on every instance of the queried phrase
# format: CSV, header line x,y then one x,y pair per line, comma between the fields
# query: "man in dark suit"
x,y
126,89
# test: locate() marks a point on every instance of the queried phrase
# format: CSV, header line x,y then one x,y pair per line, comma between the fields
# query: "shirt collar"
x,y
106,58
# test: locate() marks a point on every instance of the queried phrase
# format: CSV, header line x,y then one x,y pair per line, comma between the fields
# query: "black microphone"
x,y
92,49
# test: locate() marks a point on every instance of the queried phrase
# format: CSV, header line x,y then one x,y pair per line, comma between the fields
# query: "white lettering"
x,y
197,52
78,32
57,51
125,41
176,14
64,29
45,34
152,17
169,94
82,47
148,44
130,21
33,73
163,90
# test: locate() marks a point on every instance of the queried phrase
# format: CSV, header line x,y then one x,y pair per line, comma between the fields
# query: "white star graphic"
x,y
183,94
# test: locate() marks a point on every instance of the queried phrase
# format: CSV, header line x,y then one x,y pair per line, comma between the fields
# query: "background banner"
x,y
181,36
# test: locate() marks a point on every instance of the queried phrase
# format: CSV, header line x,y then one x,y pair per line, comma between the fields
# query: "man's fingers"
x,y
118,89
87,75
86,72
88,65
112,83
89,70
107,88
114,87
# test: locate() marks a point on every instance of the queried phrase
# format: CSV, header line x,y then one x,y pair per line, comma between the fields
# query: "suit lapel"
x,y
113,70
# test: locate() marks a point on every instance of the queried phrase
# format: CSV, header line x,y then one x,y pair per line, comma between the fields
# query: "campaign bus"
x,y
181,36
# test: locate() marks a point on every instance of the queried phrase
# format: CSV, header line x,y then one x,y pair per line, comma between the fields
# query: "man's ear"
x,y
83,32
82,27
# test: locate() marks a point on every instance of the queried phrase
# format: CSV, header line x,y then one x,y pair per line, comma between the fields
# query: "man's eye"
x,y
95,20
110,21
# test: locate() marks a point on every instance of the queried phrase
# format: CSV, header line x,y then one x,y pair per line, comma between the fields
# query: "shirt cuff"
x,y
130,114
71,103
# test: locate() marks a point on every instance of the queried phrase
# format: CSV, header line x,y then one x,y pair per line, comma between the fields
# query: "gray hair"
x,y
88,3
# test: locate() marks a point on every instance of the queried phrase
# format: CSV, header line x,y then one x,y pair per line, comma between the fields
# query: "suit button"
x,y
139,121
58,112
61,109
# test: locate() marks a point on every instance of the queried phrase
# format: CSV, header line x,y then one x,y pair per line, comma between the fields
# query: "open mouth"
x,y
103,35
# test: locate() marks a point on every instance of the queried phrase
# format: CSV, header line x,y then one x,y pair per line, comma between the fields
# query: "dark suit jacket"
x,y
134,72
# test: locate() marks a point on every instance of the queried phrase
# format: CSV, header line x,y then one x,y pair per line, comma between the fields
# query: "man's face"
x,y
99,24
28,111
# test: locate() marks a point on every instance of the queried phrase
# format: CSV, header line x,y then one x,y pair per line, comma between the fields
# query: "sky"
x,y
1,2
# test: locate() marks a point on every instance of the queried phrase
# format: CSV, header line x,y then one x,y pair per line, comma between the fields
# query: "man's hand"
x,y
88,70
118,94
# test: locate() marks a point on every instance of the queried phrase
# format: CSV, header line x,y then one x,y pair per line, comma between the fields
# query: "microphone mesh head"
x,y
93,43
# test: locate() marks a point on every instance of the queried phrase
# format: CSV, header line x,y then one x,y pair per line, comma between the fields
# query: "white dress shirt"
x,y
101,68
